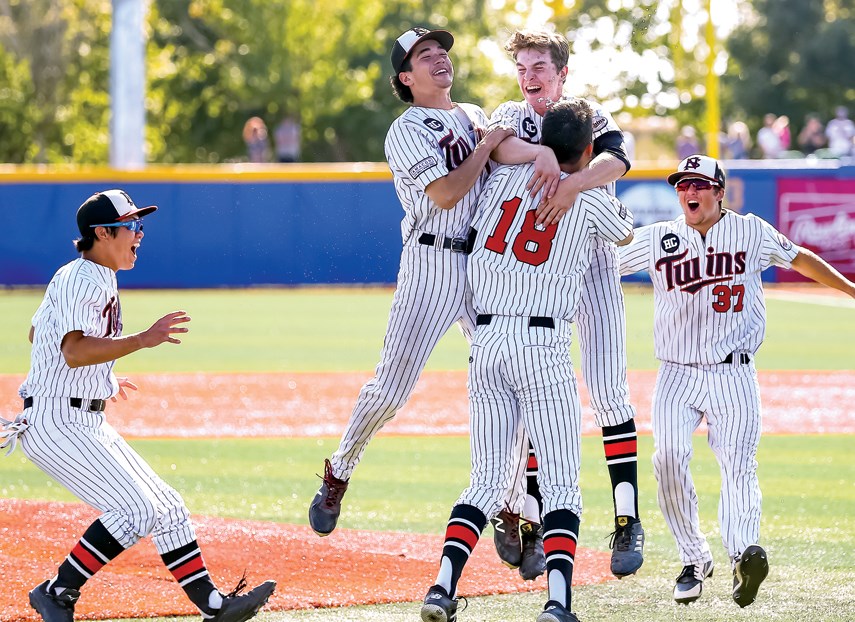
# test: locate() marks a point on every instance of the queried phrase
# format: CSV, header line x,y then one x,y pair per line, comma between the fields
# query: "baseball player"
x,y
77,336
541,61
710,318
526,281
439,152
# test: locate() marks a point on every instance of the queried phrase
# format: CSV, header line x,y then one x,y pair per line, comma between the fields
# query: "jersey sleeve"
x,y
415,151
611,220
79,307
507,114
635,256
608,137
776,249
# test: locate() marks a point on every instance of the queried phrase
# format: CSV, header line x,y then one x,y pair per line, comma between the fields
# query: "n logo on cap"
x,y
127,198
692,163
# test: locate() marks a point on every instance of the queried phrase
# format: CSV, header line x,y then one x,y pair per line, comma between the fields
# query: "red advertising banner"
x,y
819,214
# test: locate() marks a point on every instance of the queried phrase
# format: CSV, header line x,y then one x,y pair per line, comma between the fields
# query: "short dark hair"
x,y
401,90
86,242
568,129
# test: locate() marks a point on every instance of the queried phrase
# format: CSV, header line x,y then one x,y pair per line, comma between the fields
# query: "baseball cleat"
x,y
239,607
52,607
506,537
553,612
627,546
439,606
690,583
326,506
533,558
748,573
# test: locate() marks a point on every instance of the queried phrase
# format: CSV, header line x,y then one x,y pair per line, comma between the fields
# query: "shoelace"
x,y
12,431
621,538
241,585
336,486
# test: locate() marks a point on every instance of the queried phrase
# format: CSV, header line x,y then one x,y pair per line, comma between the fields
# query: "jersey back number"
x,y
531,245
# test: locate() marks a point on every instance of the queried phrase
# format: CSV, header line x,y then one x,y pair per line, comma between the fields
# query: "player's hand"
x,y
124,383
493,135
547,174
163,329
550,210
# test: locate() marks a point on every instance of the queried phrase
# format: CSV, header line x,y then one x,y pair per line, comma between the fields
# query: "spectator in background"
x,y
737,143
782,130
286,138
687,142
812,136
840,132
255,137
768,139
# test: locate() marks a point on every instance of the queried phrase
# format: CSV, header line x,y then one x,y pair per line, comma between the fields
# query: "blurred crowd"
x,y
835,139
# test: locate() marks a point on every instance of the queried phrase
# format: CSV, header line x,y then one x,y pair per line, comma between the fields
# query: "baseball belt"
x,y
93,406
455,245
744,358
533,322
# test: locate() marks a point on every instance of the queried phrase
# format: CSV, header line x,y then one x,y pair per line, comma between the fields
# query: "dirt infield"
x,y
347,568
315,404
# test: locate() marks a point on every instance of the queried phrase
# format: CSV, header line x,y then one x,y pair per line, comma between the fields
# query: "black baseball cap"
x,y
407,41
700,166
106,207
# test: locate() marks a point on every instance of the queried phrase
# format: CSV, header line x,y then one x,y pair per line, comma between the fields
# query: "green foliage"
x,y
794,60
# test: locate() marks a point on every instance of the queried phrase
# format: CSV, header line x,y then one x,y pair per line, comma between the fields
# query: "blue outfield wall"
x,y
282,225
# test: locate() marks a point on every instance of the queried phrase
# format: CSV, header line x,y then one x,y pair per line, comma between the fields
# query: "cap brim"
x,y
143,211
673,178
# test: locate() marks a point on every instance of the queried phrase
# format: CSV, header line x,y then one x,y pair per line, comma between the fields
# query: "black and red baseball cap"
x,y
106,207
407,41
699,166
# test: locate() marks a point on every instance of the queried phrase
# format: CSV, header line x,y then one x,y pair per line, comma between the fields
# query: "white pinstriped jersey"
x,y
708,292
517,269
82,295
424,144
522,117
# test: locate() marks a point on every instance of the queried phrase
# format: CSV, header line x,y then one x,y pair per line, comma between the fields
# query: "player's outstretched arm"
x,y
447,191
602,170
809,264
80,350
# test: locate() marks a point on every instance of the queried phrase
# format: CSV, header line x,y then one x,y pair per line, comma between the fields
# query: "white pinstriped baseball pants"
x,y
601,327
432,294
85,454
522,377
728,396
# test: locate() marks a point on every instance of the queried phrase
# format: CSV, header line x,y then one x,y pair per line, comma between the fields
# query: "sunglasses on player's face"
x,y
699,184
132,225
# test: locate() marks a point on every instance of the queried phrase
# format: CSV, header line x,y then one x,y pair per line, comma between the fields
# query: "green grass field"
x,y
409,484
342,330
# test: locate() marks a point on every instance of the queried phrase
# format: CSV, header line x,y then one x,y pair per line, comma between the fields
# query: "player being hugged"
x,y
541,59
709,322
439,154
77,336
526,281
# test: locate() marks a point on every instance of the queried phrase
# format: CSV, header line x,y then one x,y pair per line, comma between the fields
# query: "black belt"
x,y
455,245
534,321
744,359
95,406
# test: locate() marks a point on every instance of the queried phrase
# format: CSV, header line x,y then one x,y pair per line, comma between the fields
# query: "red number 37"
x,y
727,295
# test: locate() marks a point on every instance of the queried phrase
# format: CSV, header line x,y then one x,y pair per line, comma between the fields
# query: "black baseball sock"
x,y
531,485
90,554
560,534
187,566
461,535
621,447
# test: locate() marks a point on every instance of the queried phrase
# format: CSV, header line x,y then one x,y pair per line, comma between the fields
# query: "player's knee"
x,y
670,459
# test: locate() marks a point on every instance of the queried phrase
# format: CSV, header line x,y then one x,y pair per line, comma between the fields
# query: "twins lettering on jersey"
x,y
112,311
692,274
456,148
